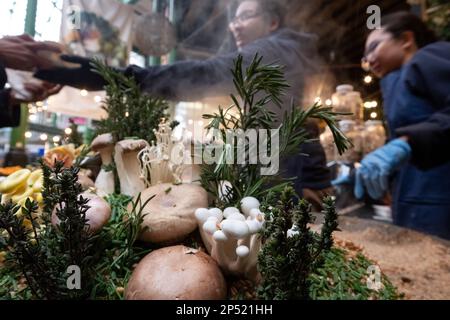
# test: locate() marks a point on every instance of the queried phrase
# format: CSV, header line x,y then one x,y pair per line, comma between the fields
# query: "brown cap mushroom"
x,y
170,215
176,273
97,215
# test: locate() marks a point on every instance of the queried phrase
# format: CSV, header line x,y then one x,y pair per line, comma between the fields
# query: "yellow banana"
x,y
38,197
20,190
38,185
34,177
14,181
21,197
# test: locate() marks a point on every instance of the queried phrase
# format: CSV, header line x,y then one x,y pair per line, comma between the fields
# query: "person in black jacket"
x,y
415,81
19,52
257,28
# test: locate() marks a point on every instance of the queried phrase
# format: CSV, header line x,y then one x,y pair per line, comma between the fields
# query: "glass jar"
x,y
353,132
327,142
374,135
346,100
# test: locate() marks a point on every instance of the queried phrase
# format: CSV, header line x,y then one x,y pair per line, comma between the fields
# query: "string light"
x,y
370,104
368,79
127,114
32,117
43,137
39,103
98,99
56,139
373,115
67,131
318,100
328,102
83,92
28,134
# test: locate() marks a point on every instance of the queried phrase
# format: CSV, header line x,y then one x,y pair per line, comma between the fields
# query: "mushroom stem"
x,y
206,238
128,168
224,252
104,144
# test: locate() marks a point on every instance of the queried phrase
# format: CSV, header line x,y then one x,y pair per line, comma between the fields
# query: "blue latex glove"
x,y
377,166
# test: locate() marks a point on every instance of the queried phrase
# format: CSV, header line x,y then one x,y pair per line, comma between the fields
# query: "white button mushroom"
x,y
216,212
236,216
242,251
249,203
211,225
229,211
254,226
234,228
255,212
202,214
219,235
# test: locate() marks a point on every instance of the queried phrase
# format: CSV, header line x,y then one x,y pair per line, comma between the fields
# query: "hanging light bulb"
x,y
368,79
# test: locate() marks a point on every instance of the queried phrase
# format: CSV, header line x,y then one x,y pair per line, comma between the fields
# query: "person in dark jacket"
x,y
257,28
19,52
415,80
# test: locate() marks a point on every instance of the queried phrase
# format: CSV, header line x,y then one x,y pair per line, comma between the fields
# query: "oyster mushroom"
x,y
128,167
104,144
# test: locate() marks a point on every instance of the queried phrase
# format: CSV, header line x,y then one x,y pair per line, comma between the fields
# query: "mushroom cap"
x,y
249,203
132,145
170,215
102,141
97,215
176,273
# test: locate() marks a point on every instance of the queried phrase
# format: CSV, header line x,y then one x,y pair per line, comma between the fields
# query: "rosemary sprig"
x,y
130,113
256,86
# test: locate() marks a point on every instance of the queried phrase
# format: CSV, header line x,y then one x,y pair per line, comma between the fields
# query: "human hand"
x,y
378,165
81,76
24,53
36,91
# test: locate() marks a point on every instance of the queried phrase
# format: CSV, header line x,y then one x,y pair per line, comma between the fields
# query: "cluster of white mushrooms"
x,y
162,162
231,236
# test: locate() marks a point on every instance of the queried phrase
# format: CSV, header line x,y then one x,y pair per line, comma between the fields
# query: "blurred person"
x,y
415,81
257,27
20,53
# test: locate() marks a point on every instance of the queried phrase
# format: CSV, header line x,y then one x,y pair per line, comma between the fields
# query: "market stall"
x,y
190,201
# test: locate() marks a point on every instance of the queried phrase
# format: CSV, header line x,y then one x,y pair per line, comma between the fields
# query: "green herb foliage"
x,y
130,113
249,112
